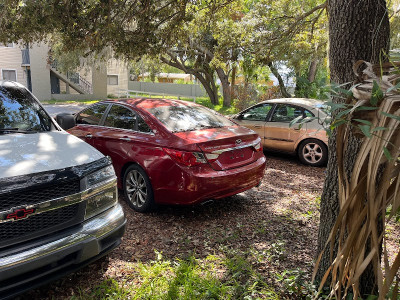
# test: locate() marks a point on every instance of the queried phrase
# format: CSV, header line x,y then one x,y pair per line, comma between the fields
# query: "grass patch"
x,y
228,277
205,101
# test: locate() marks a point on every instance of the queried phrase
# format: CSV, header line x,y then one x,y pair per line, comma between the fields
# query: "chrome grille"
x,y
45,222
48,192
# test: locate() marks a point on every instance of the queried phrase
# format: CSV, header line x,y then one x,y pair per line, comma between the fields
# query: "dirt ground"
x,y
282,215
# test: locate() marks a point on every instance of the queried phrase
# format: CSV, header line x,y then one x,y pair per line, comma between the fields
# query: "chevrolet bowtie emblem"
x,y
21,213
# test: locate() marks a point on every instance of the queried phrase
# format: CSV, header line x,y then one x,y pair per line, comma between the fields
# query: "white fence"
x,y
172,89
129,93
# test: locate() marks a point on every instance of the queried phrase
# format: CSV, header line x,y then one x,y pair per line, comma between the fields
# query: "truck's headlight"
x,y
101,191
100,176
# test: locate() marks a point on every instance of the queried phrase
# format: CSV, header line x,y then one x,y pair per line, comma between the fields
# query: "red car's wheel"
x,y
137,189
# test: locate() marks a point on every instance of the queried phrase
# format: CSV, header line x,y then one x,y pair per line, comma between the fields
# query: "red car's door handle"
x,y
258,126
125,139
89,136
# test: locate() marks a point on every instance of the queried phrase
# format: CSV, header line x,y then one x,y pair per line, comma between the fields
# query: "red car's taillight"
x,y
258,147
186,158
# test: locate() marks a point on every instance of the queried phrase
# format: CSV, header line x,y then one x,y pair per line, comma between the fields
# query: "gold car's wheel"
x,y
313,153
137,189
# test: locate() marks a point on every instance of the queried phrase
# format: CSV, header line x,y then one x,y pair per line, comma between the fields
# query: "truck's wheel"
x,y
137,189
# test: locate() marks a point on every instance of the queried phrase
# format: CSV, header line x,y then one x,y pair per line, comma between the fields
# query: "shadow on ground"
x,y
282,211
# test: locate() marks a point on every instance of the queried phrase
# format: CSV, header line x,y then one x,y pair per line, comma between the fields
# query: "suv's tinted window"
x,y
120,117
92,115
257,113
19,110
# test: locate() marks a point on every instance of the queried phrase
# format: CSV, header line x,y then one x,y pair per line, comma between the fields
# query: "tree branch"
x,y
280,80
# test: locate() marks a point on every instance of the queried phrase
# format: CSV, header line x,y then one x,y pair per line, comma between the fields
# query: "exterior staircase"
x,y
72,80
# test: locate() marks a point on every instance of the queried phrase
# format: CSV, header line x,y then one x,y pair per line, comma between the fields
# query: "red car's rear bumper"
x,y
195,185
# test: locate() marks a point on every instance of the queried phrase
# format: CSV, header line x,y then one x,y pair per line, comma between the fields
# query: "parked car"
x,y
271,120
171,151
58,197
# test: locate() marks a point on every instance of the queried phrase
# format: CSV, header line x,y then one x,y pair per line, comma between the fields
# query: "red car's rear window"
x,y
179,118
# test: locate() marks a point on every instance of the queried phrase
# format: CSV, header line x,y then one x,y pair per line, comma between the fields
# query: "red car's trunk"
x,y
225,148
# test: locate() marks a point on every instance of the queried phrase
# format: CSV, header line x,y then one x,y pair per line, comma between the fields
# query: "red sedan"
x,y
171,151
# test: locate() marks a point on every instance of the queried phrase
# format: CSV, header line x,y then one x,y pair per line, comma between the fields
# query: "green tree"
x,y
287,31
127,29
349,42
130,28
209,46
145,65
394,17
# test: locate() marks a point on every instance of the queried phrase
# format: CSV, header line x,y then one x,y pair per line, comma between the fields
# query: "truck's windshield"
x,y
20,112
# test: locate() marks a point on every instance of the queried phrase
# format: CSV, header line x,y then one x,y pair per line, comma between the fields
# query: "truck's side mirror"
x,y
65,120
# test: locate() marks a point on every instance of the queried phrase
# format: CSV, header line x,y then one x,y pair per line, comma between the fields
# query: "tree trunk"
x,y
357,30
226,91
205,76
209,85
278,76
233,81
312,71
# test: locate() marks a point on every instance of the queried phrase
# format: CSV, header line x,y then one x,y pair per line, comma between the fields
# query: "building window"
x,y
8,45
112,79
9,75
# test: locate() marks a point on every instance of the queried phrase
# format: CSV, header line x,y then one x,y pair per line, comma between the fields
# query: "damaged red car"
x,y
170,151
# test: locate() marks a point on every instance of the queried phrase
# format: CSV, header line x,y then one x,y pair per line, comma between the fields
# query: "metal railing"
x,y
85,85
75,78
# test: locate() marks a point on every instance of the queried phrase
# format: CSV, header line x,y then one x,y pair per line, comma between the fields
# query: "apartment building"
x,y
32,67
117,77
14,64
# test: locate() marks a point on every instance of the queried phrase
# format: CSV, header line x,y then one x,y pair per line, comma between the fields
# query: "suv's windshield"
x,y
188,118
20,112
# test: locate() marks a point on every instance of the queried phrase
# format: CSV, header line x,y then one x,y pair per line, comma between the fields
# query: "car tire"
x,y
313,153
137,189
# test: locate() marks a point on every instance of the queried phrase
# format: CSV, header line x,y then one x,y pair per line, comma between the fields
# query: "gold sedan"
x,y
271,120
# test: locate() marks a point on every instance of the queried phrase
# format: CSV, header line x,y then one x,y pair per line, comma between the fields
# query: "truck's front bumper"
x,y
46,260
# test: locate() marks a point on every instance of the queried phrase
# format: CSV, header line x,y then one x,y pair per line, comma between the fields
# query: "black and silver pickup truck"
x,y
58,197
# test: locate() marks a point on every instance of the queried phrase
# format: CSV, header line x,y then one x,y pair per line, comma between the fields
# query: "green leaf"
x,y
376,95
339,90
334,105
328,132
373,100
366,108
379,129
391,116
337,123
366,130
387,153
396,87
295,120
363,122
344,112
